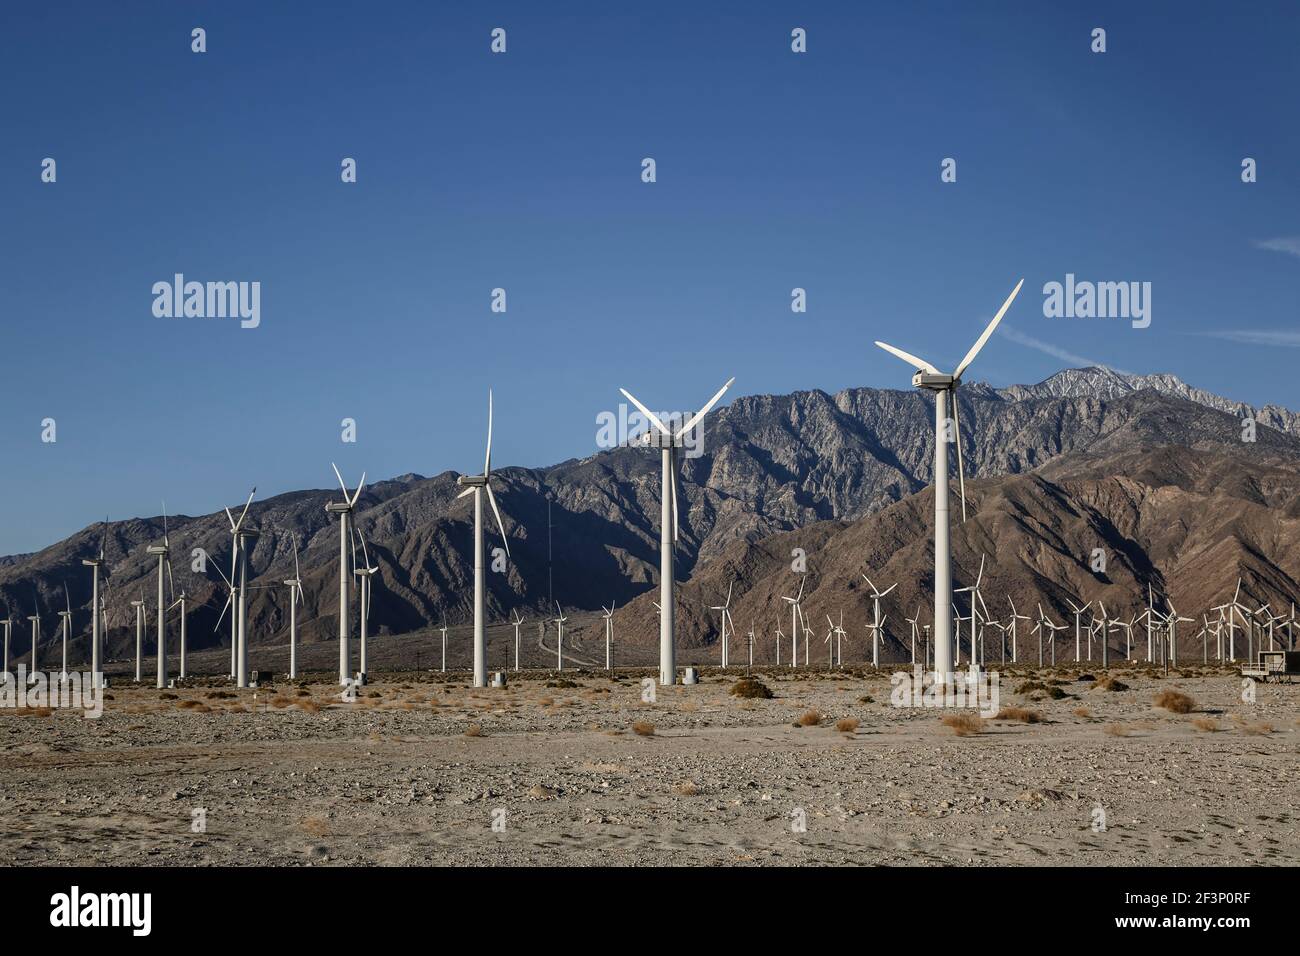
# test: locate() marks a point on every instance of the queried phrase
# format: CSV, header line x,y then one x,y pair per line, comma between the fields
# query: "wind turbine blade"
x,y
698,416
248,504
979,343
230,518
492,500
961,467
909,358
802,581
365,552
673,484
467,491
171,581
229,598
888,589
353,500
222,573
650,416
297,575
166,540
342,483
487,458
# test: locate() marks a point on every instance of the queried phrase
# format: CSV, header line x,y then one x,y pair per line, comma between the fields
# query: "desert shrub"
x,y
219,695
810,718
1117,730
309,706
1173,701
1257,730
686,788
1022,714
303,692
1083,712
643,728
963,724
1029,686
562,682
1110,683
866,699
846,725
750,687
473,730
1207,724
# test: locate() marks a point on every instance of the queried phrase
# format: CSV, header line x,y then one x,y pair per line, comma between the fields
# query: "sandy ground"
x,y
416,772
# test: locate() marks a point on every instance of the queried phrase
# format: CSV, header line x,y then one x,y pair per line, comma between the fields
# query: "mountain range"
x,y
1156,473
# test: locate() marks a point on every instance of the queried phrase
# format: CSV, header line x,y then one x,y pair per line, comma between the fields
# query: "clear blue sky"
x,y
522,170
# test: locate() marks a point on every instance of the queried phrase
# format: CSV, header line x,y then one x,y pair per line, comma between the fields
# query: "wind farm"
x,y
715,443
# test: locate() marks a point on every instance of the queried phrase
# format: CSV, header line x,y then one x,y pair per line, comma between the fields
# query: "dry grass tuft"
x,y
546,702
316,825
1208,724
1117,730
309,706
473,730
191,705
1083,712
643,728
750,688
1110,683
280,702
846,725
964,724
1173,701
810,719
33,712
686,788
1257,730
1022,714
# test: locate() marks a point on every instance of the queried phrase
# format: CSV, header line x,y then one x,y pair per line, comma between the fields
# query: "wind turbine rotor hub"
x,y
935,381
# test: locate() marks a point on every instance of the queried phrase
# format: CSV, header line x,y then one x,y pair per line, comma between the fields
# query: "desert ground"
x,y
577,770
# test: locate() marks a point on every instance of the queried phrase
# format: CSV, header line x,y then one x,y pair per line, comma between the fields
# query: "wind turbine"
x,y
877,622
725,608
912,621
668,442
779,638
239,578
444,643
476,485
830,645
609,636
365,574
796,612
294,584
139,637
161,551
344,510
973,590
945,388
751,642
1014,617
1104,624
839,641
230,603
35,619
8,624
66,623
559,638
180,602
1078,615
96,639
516,622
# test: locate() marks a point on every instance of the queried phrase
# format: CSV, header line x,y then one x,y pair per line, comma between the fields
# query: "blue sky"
x,y
522,171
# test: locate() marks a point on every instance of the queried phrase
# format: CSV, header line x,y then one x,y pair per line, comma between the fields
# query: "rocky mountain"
x,y
770,465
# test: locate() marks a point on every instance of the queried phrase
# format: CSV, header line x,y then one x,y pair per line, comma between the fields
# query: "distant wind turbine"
x,y
344,510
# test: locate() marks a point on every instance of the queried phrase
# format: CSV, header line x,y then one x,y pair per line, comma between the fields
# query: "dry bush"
x,y
546,702
1117,730
1207,724
309,706
1257,730
33,712
866,699
750,687
1083,712
1173,701
316,825
963,724
280,702
643,728
189,705
846,725
1022,714
473,730
810,718
686,788
219,695
1110,683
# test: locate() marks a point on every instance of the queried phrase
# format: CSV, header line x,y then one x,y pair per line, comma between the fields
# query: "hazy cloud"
x,y
1047,348
1279,338
1287,244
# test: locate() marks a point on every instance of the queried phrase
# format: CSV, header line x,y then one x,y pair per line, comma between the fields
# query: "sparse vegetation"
x,y
964,724
810,718
846,725
1117,730
1257,730
750,688
1022,714
686,788
1110,683
1175,702
1083,712
1207,724
473,730
643,728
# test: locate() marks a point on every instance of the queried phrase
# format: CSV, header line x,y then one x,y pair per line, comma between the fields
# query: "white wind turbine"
x,y
517,619
365,574
1104,623
1078,621
96,638
751,642
725,608
475,485
239,584
779,638
161,552
912,621
839,641
7,624
35,619
180,602
139,637
973,590
344,510
830,644
1173,620
609,636
559,636
294,584
668,442
443,629
945,388
65,624
877,622
1012,625
796,615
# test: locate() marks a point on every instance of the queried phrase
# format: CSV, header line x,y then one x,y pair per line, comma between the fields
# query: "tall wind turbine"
x,y
668,442
476,485
161,551
912,621
725,608
365,574
609,637
878,622
344,510
945,388
180,602
96,638
7,624
65,620
139,637
516,620
796,614
974,591
559,636
1078,618
294,584
1012,625
239,578
444,643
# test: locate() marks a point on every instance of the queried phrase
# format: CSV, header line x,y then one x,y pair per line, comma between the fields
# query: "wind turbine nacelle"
x,y
654,438
933,380
157,550
471,481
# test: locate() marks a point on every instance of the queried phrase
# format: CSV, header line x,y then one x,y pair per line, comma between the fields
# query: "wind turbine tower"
x,y
344,510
